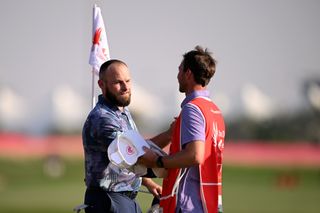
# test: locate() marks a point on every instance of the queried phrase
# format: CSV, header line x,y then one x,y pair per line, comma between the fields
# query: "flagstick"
x,y
93,97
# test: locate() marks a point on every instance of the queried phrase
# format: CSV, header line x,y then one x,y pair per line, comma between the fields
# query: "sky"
x,y
265,51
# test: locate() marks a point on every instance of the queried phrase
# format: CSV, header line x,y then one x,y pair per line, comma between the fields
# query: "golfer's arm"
x,y
162,140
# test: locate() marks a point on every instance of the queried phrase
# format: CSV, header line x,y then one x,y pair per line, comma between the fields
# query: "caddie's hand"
x,y
149,158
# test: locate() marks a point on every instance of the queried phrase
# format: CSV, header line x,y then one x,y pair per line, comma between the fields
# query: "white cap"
x,y
125,150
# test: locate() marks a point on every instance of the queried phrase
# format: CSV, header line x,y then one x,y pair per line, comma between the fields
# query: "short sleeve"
x,y
192,124
105,129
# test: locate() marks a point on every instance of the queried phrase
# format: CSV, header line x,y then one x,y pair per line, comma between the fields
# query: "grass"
x,y
279,190
26,187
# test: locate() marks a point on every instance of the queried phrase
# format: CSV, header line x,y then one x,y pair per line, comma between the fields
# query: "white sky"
x,y
273,45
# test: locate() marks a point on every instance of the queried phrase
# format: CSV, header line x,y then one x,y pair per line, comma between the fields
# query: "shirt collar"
x,y
195,94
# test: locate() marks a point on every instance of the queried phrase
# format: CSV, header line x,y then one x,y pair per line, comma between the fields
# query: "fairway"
x,y
24,187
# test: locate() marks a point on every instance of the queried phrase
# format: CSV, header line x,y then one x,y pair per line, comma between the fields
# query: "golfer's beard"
x,y
121,102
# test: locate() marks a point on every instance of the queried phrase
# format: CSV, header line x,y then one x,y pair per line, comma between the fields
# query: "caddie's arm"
x,y
191,155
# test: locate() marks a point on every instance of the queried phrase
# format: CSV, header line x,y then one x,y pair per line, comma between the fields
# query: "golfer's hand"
x,y
152,187
156,190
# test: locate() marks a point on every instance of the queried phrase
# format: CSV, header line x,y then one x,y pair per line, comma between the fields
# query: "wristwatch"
x,y
159,162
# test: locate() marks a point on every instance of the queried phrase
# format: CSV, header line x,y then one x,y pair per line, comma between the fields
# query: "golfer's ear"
x,y
100,83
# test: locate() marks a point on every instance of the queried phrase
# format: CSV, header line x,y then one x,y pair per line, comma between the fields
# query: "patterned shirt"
x,y
102,126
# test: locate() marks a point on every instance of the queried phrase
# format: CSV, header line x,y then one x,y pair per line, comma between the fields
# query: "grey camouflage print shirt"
x,y
101,127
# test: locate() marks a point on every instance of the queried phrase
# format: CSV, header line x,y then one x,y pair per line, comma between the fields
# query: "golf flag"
x,y
100,49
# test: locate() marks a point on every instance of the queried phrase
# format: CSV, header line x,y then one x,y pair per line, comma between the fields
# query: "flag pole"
x,y
93,96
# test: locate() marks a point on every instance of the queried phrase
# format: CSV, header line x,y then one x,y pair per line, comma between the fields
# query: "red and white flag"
x,y
100,49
